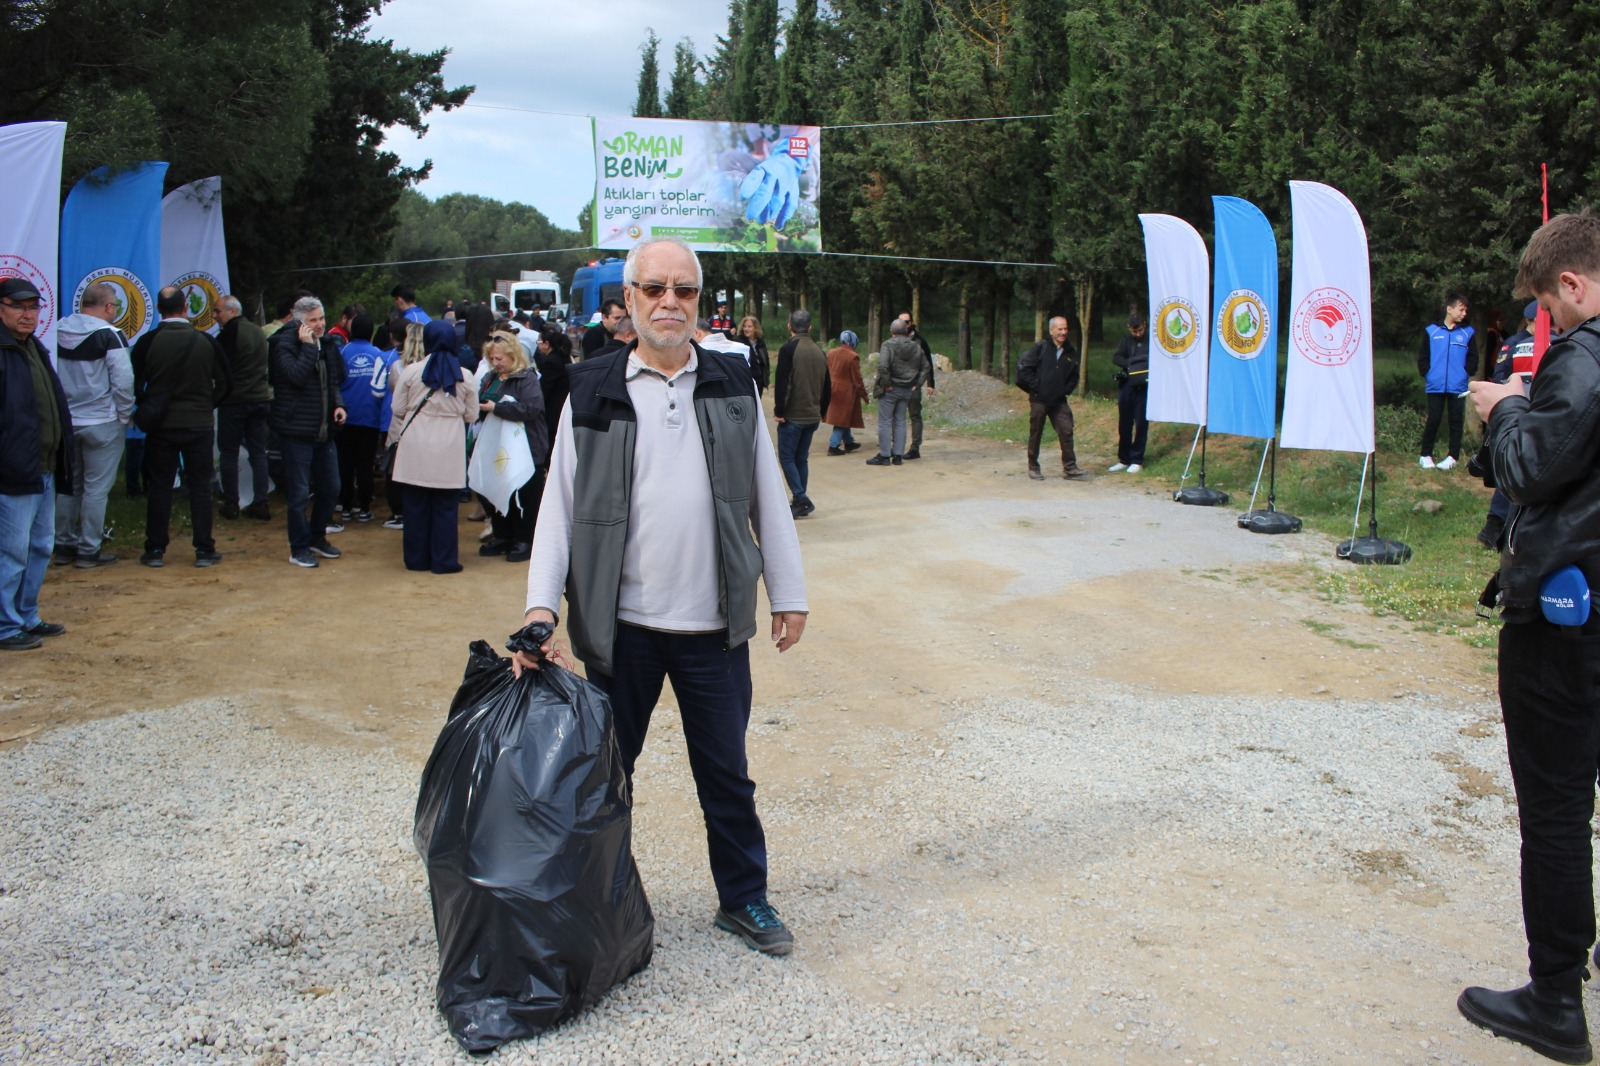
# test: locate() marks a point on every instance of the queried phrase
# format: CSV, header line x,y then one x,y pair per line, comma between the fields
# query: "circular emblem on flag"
x,y
1175,327
1327,327
1243,325
135,309
201,293
14,266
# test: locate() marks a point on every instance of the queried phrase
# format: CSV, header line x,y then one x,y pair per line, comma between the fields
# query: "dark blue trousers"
x,y
713,690
430,537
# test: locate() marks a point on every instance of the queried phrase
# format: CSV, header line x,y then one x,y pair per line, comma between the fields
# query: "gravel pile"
x,y
189,886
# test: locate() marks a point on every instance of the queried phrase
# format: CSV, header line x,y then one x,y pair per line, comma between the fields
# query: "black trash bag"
x,y
525,823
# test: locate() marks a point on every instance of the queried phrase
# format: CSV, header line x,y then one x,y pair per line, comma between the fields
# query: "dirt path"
x,y
937,589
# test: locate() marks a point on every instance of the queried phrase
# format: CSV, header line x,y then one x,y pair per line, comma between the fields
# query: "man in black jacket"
x,y
1047,372
242,418
1545,453
914,401
35,457
306,371
1132,360
179,377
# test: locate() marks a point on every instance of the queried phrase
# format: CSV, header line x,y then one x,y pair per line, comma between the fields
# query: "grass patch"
x,y
1436,591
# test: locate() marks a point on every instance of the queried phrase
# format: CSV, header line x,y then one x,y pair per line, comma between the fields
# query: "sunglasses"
x,y
656,292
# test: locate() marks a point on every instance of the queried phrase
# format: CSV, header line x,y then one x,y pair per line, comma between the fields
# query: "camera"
x,y
1481,466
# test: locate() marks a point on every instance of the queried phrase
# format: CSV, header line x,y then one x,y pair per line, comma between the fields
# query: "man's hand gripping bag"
x,y
525,823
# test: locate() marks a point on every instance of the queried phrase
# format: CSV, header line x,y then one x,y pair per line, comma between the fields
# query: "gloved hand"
x,y
772,190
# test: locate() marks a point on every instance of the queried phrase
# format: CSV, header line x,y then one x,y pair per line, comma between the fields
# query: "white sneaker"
x,y
1134,468
1426,462
333,527
1114,467
1447,463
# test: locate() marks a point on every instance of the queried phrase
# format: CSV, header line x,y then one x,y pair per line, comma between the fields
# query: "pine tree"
x,y
647,102
683,91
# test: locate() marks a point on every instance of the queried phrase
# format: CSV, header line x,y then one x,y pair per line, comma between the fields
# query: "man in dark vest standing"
x,y
800,393
661,484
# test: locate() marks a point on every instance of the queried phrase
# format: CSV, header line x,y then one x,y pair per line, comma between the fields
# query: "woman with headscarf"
x,y
553,357
512,392
433,403
848,393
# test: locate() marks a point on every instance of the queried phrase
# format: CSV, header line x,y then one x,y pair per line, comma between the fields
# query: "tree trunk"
x,y
874,319
821,326
987,365
964,329
916,303
1085,315
747,289
1005,337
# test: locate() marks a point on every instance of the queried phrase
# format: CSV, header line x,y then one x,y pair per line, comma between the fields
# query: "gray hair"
x,y
304,306
232,304
899,327
800,321
702,325
630,267
97,295
624,325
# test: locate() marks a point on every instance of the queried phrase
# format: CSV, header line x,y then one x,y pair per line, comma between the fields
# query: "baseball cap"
x,y
18,289
1531,312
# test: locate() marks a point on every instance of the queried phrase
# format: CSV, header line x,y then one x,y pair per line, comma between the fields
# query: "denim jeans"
x,y
794,447
165,449
840,437
892,407
81,514
243,423
712,684
311,475
27,530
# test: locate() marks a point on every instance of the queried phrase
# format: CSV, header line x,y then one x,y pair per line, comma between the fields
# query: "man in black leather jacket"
x,y
1545,450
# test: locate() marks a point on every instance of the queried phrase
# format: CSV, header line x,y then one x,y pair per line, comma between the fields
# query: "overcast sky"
x,y
580,57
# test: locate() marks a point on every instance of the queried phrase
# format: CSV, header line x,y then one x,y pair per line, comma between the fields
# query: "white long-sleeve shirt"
x,y
669,563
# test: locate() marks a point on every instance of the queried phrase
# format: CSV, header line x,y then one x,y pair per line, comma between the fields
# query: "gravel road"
x,y
1123,807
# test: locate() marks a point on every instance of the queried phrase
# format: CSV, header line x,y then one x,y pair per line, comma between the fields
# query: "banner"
x,y
1327,398
194,255
1244,372
717,186
111,232
1179,270
30,214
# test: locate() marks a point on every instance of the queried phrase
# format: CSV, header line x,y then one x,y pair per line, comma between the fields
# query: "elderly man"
x,y
663,463
306,370
1048,372
179,377
914,403
242,418
97,376
35,455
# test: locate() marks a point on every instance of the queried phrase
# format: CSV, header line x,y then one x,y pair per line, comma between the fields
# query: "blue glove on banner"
x,y
772,190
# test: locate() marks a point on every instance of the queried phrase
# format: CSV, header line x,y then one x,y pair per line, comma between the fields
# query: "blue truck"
x,y
593,284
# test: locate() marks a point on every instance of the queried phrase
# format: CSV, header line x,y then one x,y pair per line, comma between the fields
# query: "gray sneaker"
x,y
303,558
326,550
758,925
89,562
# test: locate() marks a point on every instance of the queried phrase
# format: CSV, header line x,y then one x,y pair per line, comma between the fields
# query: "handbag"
x,y
386,460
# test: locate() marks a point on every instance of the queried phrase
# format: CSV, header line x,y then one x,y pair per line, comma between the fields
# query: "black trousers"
x,y
516,525
1060,416
1438,404
1133,428
163,449
243,423
358,451
1550,698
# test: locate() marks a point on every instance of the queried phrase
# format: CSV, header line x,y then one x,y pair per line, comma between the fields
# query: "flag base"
x,y
1269,522
1200,496
1373,551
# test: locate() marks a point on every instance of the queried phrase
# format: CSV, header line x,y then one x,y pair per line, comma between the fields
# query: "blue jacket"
x,y
1447,359
19,422
382,388
361,407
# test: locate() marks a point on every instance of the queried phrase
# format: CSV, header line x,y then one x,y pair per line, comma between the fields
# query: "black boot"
x,y
1489,535
1546,1016
494,546
520,552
